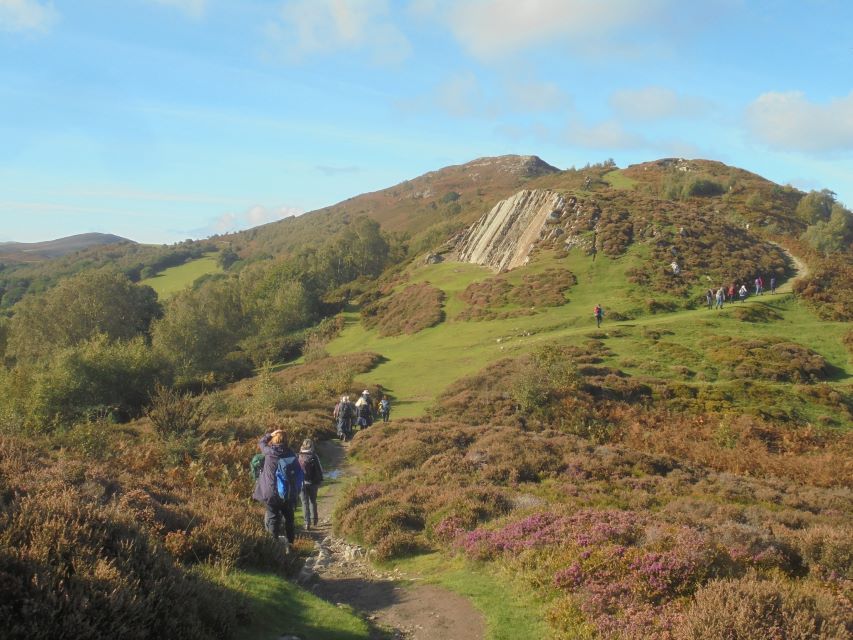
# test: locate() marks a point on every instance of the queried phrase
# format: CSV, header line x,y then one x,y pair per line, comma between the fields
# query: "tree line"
x,y
97,343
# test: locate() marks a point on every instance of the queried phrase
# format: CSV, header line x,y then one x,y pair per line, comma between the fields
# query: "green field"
x,y
167,283
459,348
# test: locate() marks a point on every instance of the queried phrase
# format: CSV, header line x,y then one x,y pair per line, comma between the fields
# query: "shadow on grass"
x,y
278,607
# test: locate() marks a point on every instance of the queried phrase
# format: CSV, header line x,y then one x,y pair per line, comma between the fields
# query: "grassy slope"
x,y
170,281
457,349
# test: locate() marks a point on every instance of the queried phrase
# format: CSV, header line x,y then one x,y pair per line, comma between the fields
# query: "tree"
x,y
227,257
78,308
816,206
199,329
834,234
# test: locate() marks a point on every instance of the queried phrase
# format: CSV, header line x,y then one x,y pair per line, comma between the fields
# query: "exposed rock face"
x,y
503,238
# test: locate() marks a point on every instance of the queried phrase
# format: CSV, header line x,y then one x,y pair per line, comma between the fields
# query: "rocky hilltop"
x,y
503,238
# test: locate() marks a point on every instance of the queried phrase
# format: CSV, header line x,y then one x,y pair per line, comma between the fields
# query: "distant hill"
x,y
37,251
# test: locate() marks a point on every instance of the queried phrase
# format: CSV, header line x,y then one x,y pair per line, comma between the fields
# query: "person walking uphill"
x,y
312,472
364,410
275,448
598,312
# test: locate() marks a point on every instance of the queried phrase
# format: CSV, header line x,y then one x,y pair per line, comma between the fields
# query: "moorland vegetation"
x,y
670,475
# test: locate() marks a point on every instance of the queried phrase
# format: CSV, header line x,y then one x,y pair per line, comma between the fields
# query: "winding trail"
x,y
801,269
395,605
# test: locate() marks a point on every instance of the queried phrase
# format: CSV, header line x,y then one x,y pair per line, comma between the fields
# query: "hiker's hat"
x,y
365,392
307,446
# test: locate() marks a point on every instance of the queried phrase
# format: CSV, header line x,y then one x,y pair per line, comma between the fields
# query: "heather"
x,y
624,542
413,309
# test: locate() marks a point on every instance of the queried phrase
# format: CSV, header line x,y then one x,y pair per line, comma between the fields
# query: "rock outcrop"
x,y
503,238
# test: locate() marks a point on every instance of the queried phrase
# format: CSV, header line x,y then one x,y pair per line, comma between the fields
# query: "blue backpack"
x,y
288,478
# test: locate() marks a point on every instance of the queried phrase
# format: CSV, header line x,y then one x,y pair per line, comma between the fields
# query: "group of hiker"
x,y
283,477
361,413
715,298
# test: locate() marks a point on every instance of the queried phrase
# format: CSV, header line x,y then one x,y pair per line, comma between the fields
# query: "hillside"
x,y
665,475
35,251
443,201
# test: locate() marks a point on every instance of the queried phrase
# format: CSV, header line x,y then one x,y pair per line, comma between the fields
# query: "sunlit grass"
x,y
174,279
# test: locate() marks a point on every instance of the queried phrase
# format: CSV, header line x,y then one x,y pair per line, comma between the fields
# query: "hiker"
x,y
312,471
675,268
721,296
364,410
344,414
709,298
772,284
758,285
274,447
731,292
598,312
742,292
385,408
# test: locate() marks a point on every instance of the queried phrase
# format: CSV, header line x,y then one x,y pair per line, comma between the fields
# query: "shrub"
x,y
752,608
176,414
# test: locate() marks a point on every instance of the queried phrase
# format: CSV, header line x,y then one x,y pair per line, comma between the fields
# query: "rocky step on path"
x,y
396,605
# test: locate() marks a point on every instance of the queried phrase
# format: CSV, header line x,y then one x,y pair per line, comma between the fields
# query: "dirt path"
x,y
342,574
801,270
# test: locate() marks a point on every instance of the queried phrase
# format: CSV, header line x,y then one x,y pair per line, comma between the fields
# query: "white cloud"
x,y
320,27
494,28
607,135
460,95
27,15
251,217
536,96
193,8
789,121
657,103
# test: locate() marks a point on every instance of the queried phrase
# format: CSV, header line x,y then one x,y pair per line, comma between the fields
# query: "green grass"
x,y
510,608
169,282
418,367
278,607
618,180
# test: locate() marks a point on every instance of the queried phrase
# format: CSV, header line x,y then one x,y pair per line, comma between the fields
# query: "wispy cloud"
x,y
53,208
790,121
320,27
193,8
605,135
657,103
492,29
27,15
251,217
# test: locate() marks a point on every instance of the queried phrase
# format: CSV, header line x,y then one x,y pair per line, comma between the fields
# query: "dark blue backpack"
x,y
288,478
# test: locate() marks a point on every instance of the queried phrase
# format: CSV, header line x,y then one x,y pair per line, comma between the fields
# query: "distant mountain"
x,y
37,251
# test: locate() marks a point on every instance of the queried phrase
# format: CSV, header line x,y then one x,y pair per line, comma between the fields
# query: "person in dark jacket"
x,y
313,477
274,446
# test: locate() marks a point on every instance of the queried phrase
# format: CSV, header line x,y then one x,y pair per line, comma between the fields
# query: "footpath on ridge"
x,y
342,574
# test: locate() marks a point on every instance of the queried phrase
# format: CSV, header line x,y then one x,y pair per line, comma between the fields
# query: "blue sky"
x,y
161,120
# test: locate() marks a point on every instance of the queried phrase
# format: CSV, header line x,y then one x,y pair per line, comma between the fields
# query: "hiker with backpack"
x,y
278,485
344,415
598,312
312,472
364,410
385,408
